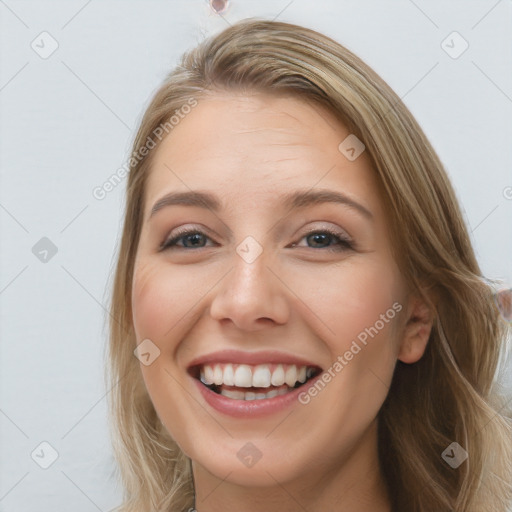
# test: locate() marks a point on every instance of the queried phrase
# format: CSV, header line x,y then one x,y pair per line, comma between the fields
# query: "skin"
x,y
249,149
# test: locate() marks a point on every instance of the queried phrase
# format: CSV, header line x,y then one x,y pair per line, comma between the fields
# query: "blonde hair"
x,y
449,395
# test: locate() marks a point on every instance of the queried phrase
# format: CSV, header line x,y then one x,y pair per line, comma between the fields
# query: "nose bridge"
x,y
250,279
250,291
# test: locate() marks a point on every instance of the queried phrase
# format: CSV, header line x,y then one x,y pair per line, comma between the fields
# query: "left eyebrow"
x,y
296,200
304,198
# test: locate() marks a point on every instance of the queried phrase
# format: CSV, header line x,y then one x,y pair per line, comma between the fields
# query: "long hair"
x,y
449,395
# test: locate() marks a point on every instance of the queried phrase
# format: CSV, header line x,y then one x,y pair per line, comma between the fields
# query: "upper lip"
x,y
250,358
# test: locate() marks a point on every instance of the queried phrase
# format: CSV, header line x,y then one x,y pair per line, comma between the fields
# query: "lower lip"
x,y
252,408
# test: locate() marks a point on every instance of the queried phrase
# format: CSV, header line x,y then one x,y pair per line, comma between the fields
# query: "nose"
x,y
251,296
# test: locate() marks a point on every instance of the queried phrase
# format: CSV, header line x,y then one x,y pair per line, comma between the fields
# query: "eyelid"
x,y
335,230
182,231
343,237
323,226
345,241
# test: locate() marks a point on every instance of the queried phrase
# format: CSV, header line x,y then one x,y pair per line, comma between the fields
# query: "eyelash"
x,y
344,243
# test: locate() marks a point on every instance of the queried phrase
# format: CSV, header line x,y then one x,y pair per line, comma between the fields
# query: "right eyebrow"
x,y
296,200
194,198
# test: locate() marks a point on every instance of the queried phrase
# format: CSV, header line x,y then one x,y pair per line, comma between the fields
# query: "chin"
x,y
261,474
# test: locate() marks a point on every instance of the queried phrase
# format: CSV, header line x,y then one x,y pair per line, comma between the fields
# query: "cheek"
x,y
355,302
350,300
160,298
146,301
158,307
352,297
368,322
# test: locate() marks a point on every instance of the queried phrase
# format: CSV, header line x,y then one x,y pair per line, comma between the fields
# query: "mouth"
x,y
247,382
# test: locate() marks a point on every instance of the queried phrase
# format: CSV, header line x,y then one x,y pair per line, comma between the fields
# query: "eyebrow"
x,y
297,200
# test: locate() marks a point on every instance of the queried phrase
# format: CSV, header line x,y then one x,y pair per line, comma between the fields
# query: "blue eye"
x,y
192,234
323,236
193,238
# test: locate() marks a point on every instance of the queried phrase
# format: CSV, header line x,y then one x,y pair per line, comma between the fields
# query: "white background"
x,y
66,126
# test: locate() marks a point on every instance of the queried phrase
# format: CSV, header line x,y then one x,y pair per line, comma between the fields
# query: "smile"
x,y
254,382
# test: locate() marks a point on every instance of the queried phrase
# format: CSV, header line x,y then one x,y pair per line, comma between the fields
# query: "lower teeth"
x,y
250,395
241,394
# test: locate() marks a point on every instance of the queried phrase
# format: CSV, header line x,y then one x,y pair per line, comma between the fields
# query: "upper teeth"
x,y
260,376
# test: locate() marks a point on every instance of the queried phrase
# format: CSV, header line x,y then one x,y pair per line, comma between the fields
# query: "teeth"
x,y
217,375
249,395
260,376
243,376
229,375
278,376
208,375
237,395
290,377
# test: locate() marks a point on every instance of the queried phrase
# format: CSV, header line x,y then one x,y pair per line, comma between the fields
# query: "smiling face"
x,y
284,283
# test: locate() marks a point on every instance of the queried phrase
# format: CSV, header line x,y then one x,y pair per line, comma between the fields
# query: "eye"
x,y
322,236
194,238
189,235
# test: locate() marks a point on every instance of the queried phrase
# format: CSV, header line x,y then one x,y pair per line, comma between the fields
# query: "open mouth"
x,y
253,382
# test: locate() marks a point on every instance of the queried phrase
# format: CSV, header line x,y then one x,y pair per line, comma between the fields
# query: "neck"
x,y
353,485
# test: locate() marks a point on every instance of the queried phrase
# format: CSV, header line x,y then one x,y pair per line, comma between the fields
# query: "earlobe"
x,y
417,331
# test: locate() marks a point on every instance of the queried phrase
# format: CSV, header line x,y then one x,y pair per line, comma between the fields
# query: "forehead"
x,y
253,145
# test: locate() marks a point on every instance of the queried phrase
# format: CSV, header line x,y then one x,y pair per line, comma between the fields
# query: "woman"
x,y
311,327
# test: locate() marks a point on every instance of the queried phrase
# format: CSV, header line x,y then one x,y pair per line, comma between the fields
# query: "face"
x,y
254,288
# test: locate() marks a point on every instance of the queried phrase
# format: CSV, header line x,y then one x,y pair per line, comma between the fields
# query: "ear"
x,y
417,330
